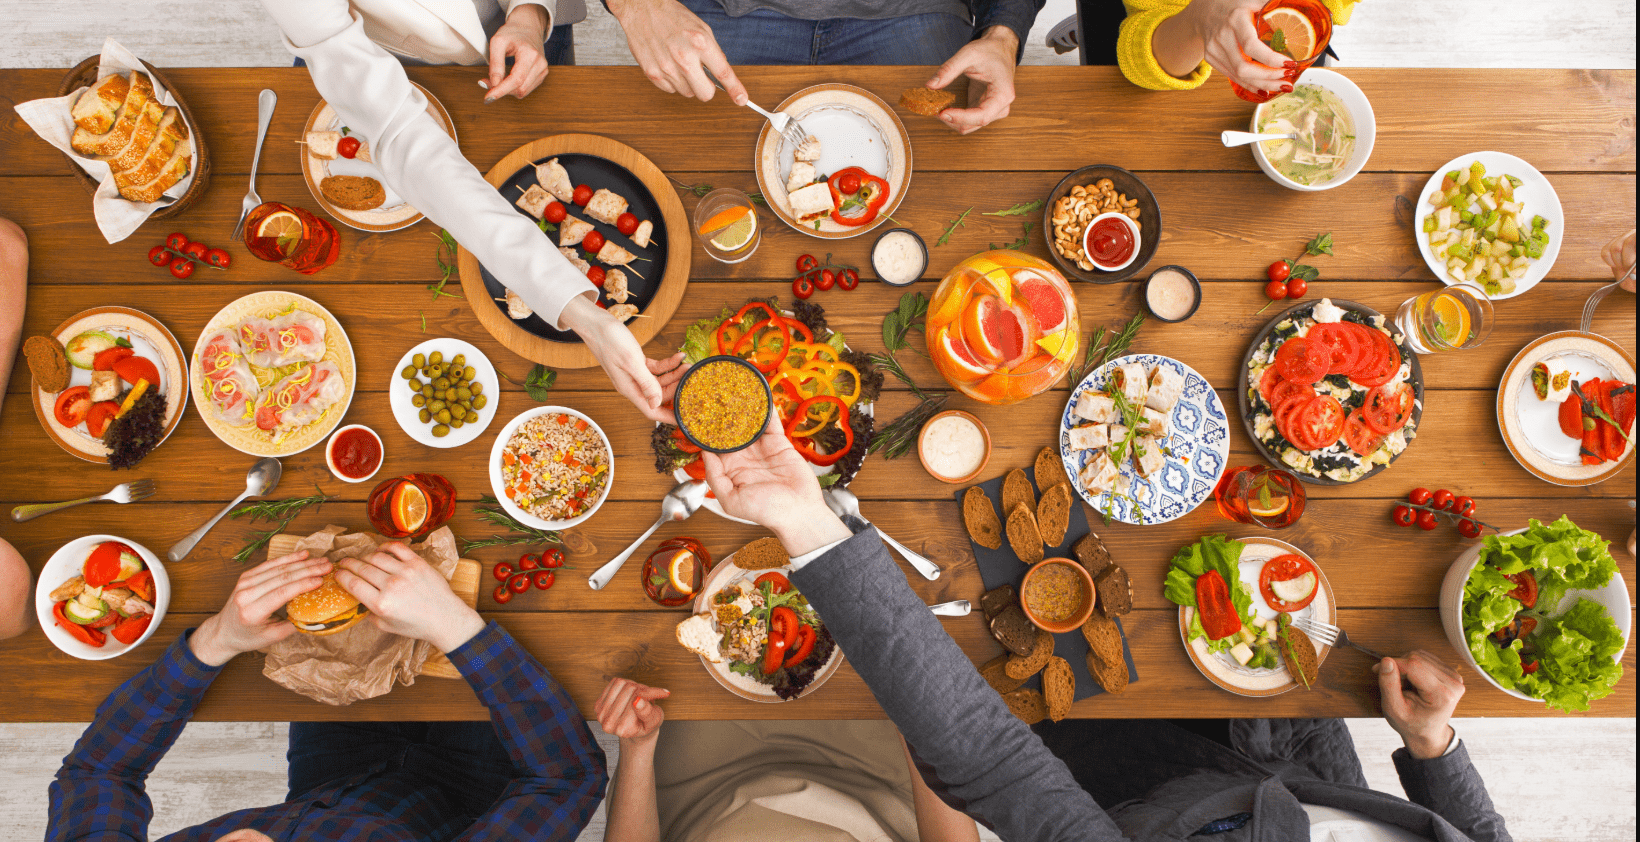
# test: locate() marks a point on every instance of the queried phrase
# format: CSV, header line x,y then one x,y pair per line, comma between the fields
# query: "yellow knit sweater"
x,y
1139,63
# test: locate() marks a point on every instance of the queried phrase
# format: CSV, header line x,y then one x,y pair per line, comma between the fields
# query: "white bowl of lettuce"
x,y
1566,649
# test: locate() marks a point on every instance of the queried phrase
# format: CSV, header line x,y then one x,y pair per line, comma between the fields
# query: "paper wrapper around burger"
x,y
361,662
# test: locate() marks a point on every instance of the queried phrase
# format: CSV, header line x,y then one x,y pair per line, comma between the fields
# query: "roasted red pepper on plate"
x,y
872,195
1218,612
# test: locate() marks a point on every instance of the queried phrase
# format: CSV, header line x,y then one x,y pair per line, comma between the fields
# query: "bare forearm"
x,y
633,814
1178,45
13,296
936,820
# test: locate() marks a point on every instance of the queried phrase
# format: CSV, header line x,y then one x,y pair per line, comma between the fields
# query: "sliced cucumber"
x,y
84,614
83,349
130,565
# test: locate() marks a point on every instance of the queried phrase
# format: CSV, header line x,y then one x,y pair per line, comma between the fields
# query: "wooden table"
x,y
1222,218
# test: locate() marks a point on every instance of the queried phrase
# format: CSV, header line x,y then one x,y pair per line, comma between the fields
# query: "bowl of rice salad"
x,y
551,467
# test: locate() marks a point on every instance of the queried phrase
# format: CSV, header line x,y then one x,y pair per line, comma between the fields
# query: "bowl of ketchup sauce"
x,y
354,453
1111,241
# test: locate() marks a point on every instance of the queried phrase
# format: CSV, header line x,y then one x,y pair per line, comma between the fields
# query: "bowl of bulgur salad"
x,y
551,467
722,404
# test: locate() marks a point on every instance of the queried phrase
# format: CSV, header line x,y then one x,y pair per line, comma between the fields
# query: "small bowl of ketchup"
x,y
354,453
1111,241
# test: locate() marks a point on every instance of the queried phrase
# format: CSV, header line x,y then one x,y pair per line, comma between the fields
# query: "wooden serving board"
x,y
464,581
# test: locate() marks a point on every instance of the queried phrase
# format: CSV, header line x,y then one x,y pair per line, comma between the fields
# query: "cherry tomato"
x,y
159,256
1275,290
1442,499
1419,497
219,258
543,579
802,287
593,242
519,583
553,557
529,561
347,147
176,241
1297,287
848,279
602,304
503,571
828,279
501,595
806,262
1427,521
849,183
583,194
596,275
1278,271
1463,506
554,212
195,250
626,223
1469,528
1404,516
778,583
182,269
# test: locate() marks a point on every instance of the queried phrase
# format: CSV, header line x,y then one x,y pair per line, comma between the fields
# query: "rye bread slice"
x,y
1013,629
1027,704
1058,687
1300,655
1092,554
762,554
994,600
1050,469
995,675
1104,639
47,362
981,519
353,192
1023,535
1016,489
1053,514
1115,591
1025,666
1113,678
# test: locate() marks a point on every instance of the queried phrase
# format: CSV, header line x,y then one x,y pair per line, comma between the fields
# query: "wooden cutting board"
x,y
464,581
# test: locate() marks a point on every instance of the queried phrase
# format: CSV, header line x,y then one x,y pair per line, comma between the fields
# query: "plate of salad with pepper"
x,y
1237,599
850,171
101,596
758,636
823,390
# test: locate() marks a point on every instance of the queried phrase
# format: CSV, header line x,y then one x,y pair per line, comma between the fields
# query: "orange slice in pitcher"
x,y
958,362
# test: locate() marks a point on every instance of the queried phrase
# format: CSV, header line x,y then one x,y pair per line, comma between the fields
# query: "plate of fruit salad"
x,y
101,596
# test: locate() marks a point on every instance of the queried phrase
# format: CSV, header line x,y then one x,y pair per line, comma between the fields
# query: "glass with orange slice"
x,y
1298,29
675,571
1260,495
411,506
1003,326
1450,319
291,237
726,223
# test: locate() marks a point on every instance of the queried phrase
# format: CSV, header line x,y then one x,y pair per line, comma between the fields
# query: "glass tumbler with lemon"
x,y
1450,319
1297,29
726,223
291,237
675,571
411,506
1261,496
1002,326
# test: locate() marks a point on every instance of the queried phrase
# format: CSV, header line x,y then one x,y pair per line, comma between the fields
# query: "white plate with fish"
x,y
854,129
328,149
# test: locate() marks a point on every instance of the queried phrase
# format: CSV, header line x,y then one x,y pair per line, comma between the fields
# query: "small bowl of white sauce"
x,y
899,256
1172,294
954,446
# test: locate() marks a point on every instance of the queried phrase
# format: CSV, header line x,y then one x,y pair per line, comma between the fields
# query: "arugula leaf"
x,y
1017,210
960,220
757,198
538,383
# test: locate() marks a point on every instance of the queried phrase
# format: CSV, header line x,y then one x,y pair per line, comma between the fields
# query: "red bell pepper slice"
x,y
1218,612
1611,442
1587,394
802,649
1623,403
805,444
751,346
873,194
103,564
142,584
90,637
128,629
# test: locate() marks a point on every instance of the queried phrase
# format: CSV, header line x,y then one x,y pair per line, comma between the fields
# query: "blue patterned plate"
x,y
1197,450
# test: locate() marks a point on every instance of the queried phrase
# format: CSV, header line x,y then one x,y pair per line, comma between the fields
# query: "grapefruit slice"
x,y
959,362
1043,299
991,330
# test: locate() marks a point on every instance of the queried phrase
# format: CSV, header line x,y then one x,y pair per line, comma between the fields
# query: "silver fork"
x,y
1599,296
265,102
784,123
1331,635
129,492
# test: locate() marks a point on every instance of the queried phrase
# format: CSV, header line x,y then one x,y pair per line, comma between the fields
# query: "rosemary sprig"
x,y
489,510
447,267
960,220
283,511
1100,352
1017,210
897,438
697,189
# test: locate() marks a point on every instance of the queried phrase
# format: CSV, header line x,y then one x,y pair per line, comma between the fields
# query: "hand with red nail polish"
x,y
1222,33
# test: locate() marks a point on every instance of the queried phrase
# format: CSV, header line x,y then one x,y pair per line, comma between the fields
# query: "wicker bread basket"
x,y
84,74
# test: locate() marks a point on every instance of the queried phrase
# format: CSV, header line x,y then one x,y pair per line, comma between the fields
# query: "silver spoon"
x,y
263,478
678,504
843,503
954,608
1234,139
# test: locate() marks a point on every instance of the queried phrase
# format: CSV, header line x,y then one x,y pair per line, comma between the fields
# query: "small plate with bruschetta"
x,y
338,165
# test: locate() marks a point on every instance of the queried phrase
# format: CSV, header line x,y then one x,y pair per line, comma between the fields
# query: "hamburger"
x,y
326,609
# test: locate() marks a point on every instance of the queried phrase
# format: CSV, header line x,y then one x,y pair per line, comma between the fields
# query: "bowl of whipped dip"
x,y
954,446
899,256
1172,294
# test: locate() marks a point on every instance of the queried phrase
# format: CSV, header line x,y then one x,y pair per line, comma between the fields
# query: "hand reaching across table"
x,y
406,596
648,384
1221,32
987,60
771,485
673,45
1421,709
246,623
523,38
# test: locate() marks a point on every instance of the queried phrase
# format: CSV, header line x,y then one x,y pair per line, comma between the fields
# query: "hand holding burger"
x,y
247,623
406,596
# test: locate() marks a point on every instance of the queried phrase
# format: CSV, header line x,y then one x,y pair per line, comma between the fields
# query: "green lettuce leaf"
x,y
1576,664
1213,552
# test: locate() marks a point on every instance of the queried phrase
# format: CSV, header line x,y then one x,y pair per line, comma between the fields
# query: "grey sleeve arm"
x,y
1451,787
988,760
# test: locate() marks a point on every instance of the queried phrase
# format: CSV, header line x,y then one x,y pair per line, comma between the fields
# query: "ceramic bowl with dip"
x,y
1125,184
1336,127
722,404
1057,595
1173,294
954,447
354,453
1111,241
899,256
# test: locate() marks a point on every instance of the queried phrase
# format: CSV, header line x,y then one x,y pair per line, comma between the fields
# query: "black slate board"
x,y
1001,567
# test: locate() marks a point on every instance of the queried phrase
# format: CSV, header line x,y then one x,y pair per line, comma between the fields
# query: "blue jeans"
x,y
765,37
465,760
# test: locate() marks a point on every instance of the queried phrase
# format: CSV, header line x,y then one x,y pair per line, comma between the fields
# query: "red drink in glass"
x,y
1261,496
1290,27
411,506
692,563
291,237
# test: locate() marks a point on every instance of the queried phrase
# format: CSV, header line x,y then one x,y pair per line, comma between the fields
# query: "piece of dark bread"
x,y
1300,655
1050,469
1023,535
1112,677
1016,489
48,362
1115,591
994,600
995,674
1105,661
353,192
1027,704
926,101
981,519
1091,554
1025,666
1013,630
1058,687
1053,514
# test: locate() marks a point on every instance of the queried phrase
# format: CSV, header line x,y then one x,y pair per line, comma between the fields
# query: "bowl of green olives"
x,y
444,393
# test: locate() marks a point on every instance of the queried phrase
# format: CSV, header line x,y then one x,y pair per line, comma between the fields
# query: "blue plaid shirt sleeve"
x,y
99,791
560,773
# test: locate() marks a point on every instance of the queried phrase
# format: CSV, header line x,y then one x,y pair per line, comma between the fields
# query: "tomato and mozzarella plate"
x,y
1330,393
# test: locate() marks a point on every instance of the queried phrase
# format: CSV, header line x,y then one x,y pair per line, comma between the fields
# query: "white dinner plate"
x,y
855,129
67,563
409,415
1531,428
1535,190
395,212
722,576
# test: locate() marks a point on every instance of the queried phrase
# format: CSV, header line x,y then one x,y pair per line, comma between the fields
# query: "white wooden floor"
x,y
1554,780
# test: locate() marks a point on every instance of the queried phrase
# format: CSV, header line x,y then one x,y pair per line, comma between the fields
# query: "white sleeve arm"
x,y
369,89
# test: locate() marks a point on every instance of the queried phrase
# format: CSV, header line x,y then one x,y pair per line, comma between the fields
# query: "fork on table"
x,y
1331,635
128,492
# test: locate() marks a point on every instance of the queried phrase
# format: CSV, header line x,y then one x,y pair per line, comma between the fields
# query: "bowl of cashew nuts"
x,y
1084,195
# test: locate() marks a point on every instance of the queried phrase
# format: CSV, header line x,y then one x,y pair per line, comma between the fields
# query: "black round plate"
x,y
1129,185
1245,406
643,276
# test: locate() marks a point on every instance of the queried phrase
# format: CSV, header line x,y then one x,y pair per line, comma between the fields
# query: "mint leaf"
x,y
538,383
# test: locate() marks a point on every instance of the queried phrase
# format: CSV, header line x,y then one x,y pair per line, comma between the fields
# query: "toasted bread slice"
x,y
1092,554
1113,676
1023,534
762,554
1299,651
1115,591
353,192
141,137
48,362
162,153
172,172
926,101
1027,704
697,635
994,600
96,109
1025,666
1058,687
1013,629
995,675
1053,514
1016,489
981,519
1103,637
136,104
1050,469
